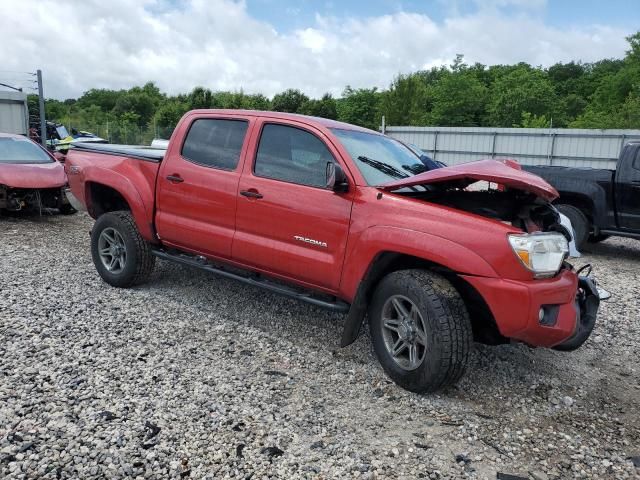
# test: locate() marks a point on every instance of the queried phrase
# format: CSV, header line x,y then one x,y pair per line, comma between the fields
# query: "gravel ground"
x,y
193,376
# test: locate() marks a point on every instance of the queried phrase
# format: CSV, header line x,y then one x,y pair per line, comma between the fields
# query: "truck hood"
x,y
465,174
32,175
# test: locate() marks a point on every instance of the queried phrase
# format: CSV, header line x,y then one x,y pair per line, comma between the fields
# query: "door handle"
x,y
251,193
175,178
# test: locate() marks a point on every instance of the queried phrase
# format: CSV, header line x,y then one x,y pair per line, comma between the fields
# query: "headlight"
x,y
542,253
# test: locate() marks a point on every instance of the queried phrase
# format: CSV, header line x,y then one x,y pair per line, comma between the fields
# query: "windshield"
x,y
380,159
21,150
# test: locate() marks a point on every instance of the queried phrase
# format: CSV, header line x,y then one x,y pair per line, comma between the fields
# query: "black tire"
x,y
139,262
579,222
597,238
67,209
446,324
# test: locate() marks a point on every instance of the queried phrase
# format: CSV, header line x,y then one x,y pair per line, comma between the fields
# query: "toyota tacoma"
x,y
348,219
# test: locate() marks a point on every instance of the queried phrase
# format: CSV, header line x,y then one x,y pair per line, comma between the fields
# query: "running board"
x,y
256,280
620,233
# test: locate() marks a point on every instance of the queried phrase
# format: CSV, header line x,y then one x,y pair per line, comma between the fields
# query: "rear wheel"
x,y
121,256
420,330
579,222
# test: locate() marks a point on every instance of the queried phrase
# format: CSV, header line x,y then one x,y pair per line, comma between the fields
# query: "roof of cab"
x,y
318,121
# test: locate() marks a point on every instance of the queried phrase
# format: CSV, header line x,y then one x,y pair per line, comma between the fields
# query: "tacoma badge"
x,y
311,241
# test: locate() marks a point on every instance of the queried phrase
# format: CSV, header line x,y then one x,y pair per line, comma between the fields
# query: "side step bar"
x,y
256,280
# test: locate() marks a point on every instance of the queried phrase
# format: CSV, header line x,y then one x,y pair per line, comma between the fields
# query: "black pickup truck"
x,y
599,202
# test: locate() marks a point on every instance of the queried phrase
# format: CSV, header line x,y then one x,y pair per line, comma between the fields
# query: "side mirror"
x,y
61,157
336,178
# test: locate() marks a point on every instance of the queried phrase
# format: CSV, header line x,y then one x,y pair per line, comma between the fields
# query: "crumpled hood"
x,y
33,175
488,170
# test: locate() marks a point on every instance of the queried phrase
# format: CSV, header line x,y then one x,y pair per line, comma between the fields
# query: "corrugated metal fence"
x,y
14,116
530,146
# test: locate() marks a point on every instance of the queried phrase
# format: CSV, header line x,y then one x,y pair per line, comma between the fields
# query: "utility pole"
x,y
43,126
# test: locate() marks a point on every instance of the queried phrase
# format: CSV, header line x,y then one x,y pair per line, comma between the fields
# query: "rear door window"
x,y
292,155
215,143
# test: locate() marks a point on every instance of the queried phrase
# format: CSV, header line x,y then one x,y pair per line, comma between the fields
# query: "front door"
x,y
287,221
197,188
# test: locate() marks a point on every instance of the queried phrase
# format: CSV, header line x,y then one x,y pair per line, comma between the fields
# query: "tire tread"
x,y
145,259
451,321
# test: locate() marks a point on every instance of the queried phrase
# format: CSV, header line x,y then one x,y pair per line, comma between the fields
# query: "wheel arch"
x,y
582,202
116,193
483,324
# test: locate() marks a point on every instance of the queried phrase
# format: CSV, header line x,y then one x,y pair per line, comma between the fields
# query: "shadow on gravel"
x,y
628,250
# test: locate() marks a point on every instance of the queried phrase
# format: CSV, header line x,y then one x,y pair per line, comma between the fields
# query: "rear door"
x,y
197,188
627,188
288,222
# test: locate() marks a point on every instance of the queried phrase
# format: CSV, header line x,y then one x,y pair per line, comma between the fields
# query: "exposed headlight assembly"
x,y
540,252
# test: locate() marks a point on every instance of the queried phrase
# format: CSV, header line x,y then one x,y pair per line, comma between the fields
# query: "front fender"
x,y
377,239
361,261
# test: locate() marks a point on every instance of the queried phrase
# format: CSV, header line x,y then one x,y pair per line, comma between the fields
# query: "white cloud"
x,y
120,43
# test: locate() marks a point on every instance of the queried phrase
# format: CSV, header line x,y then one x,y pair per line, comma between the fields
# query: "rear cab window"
x,y
293,155
215,143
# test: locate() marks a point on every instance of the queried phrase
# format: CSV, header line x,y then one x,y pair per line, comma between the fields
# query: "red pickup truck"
x,y
347,219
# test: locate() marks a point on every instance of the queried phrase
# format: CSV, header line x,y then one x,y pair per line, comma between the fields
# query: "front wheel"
x,y
121,256
420,330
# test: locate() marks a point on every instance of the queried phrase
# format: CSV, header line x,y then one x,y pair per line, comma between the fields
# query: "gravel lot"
x,y
193,376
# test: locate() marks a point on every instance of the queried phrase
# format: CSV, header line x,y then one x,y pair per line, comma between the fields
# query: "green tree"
x,y
105,99
257,102
615,100
360,107
325,107
200,97
290,101
405,103
170,113
459,99
523,89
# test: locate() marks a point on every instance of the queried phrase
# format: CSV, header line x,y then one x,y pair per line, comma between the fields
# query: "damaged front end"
x,y
587,304
562,303
499,190
35,200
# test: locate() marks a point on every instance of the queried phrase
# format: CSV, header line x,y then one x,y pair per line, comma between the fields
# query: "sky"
x,y
317,46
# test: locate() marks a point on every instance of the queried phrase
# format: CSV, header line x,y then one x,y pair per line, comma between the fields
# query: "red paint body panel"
x,y
40,175
133,179
515,306
488,170
266,228
206,214
198,214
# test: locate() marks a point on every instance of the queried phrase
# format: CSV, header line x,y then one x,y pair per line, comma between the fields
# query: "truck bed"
x,y
142,152
550,173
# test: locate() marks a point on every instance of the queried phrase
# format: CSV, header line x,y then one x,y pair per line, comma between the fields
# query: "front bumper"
x,y
516,305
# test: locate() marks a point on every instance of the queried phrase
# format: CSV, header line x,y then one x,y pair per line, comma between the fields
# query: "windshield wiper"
x,y
416,168
383,167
